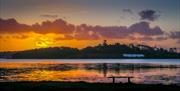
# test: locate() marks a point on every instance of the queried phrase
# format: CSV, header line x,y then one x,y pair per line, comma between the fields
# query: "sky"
x,y
30,24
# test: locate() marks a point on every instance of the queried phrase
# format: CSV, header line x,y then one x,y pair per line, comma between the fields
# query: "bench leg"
x,y
129,80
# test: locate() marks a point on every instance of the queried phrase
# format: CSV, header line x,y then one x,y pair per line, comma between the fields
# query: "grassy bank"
x,y
81,86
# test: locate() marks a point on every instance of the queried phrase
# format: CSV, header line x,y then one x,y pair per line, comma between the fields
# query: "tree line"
x,y
100,51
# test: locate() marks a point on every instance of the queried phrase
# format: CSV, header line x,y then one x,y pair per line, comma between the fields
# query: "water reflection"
x,y
89,72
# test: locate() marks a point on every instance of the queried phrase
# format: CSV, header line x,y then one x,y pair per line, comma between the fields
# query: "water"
x,y
146,71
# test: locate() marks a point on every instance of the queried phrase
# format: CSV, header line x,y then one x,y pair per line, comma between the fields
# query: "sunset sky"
x,y
30,24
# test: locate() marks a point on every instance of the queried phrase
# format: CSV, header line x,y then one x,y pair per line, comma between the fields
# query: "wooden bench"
x,y
128,77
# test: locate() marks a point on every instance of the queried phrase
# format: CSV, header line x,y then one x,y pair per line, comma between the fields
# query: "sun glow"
x,y
43,42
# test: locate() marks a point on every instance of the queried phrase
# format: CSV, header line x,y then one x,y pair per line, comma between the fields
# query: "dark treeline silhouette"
x,y
100,51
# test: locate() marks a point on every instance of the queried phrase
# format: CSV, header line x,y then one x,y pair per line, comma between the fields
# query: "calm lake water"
x,y
146,71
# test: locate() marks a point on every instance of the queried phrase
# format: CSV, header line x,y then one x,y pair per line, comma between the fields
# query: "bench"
x,y
128,77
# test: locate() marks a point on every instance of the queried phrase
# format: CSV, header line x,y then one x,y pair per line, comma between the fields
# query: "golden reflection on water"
x,y
46,75
58,71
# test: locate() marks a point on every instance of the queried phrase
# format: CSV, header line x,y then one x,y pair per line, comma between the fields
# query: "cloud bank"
x,y
88,32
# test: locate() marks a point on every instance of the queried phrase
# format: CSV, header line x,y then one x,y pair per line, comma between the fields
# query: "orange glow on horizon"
x,y
31,40
34,41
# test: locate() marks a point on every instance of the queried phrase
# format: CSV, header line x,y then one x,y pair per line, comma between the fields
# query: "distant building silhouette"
x,y
133,55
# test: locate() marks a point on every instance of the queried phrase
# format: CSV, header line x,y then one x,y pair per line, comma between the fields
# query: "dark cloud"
x,y
150,15
83,31
128,11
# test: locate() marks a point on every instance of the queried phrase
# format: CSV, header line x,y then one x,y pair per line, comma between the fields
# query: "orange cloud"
x,y
57,26
12,26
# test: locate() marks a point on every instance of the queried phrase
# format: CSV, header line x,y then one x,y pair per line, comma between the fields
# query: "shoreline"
x,y
82,86
98,58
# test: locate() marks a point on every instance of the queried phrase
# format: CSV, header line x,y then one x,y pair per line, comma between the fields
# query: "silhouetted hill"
x,y
100,51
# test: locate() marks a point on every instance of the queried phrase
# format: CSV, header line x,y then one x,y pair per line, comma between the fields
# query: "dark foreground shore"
x,y
82,86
